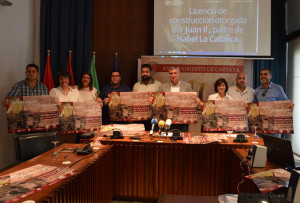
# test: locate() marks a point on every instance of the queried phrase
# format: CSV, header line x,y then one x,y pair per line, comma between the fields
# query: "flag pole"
x,y
48,79
94,73
70,69
116,62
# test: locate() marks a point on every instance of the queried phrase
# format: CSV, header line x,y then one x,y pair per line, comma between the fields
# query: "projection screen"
x,y
212,27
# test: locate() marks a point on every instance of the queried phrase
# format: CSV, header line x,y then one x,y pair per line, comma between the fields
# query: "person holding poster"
x,y
30,86
177,85
268,91
221,88
114,86
64,92
147,84
87,92
240,91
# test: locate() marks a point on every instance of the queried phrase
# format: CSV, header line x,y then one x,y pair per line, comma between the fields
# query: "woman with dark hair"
x,y
64,92
221,88
87,92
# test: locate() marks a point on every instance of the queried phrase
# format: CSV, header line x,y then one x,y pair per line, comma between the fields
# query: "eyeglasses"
x,y
265,92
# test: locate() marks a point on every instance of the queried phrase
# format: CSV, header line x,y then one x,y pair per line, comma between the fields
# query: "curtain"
x,y
278,48
66,25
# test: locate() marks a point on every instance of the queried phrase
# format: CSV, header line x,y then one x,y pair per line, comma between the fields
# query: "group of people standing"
x,y
32,87
85,91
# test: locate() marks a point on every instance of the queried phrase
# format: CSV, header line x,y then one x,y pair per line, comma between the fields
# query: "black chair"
x,y
31,145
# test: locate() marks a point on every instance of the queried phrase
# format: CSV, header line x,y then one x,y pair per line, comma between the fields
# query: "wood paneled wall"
x,y
125,27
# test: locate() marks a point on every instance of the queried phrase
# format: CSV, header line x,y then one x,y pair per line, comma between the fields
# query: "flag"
x,y
70,70
94,73
116,62
48,79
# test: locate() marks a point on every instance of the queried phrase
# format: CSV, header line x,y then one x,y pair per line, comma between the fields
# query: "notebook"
x,y
280,151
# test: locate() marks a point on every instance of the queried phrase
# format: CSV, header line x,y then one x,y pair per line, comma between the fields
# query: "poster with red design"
x,y
20,184
268,181
32,113
274,117
157,107
181,107
129,106
219,115
80,117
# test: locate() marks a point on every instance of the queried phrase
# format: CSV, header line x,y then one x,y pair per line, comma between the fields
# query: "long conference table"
x,y
142,170
145,169
93,183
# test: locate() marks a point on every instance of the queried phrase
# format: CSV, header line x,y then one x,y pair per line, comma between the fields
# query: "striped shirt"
x,y
23,89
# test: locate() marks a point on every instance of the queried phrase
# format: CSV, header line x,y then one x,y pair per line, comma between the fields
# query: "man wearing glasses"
x,y
268,91
114,86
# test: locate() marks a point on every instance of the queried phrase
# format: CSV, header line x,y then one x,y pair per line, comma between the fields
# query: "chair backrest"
x,y
31,145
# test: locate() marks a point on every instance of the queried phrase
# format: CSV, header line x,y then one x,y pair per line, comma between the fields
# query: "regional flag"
x,y
94,73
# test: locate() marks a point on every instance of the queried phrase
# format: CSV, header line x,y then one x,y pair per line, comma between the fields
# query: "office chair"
x,y
31,145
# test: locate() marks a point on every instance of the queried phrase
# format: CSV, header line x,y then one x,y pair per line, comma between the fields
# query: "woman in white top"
x,y
221,88
64,92
87,92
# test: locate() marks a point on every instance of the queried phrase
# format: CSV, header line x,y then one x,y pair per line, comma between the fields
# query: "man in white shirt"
x,y
147,84
240,91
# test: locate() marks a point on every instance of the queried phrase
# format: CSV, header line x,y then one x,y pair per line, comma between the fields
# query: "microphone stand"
x,y
159,134
74,150
167,131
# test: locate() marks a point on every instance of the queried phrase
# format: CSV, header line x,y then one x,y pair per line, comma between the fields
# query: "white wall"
x,y
293,63
18,42
293,91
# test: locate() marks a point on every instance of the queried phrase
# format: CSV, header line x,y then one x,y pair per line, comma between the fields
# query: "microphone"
x,y
168,125
86,150
153,122
161,125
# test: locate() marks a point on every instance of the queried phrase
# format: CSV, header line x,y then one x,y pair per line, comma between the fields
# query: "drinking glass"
x,y
255,137
229,133
55,153
97,144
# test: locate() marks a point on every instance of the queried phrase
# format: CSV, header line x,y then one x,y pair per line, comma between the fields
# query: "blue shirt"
x,y
104,94
109,89
23,89
274,92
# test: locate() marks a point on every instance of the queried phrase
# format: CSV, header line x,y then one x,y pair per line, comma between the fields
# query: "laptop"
x,y
280,151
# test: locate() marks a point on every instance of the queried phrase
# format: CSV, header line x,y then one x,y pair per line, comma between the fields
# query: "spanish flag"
x,y
48,79
70,70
